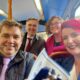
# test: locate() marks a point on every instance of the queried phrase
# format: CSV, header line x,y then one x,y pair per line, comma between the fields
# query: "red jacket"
x,y
50,47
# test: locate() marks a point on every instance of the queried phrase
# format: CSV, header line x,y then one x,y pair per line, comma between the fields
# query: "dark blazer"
x,y
19,67
37,44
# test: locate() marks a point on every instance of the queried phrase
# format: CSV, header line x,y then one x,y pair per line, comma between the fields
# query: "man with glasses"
x,y
31,42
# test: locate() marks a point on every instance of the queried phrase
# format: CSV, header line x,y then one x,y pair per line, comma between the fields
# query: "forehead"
x,y
68,31
55,20
11,30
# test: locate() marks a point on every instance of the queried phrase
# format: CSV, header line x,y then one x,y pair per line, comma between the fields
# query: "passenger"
x,y
54,42
71,38
50,24
37,43
14,64
54,45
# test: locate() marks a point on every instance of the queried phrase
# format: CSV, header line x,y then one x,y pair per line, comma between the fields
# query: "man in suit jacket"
x,y
37,43
14,63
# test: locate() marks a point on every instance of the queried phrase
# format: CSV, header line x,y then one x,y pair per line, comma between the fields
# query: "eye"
x,y
16,36
65,37
74,35
29,24
34,25
5,35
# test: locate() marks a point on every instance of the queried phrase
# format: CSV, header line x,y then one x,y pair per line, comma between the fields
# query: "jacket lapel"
x,y
19,57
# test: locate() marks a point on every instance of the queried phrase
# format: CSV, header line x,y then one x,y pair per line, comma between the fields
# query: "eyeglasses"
x,y
55,24
34,25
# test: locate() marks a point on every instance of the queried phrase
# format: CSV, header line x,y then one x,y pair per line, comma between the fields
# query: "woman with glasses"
x,y
54,44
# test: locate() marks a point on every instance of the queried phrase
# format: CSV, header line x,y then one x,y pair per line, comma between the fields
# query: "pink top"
x,y
51,48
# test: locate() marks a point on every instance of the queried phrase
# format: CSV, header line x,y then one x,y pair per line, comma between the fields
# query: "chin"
x,y
75,52
8,55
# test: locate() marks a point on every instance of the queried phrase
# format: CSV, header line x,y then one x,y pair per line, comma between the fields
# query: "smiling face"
x,y
71,40
55,26
31,27
10,40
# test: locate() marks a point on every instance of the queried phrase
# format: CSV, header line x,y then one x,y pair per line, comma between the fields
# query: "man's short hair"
x,y
10,23
32,19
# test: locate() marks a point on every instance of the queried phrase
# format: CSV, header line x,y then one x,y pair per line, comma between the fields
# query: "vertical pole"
x,y
9,9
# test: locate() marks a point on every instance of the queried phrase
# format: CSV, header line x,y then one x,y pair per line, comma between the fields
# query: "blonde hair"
x,y
32,19
10,23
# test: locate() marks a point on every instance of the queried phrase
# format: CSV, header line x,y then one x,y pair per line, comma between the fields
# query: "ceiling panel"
x,y
21,9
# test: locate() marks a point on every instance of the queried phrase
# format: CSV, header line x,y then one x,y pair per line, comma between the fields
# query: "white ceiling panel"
x,y
21,9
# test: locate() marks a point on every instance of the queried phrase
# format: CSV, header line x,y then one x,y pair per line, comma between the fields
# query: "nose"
x,y
10,39
69,40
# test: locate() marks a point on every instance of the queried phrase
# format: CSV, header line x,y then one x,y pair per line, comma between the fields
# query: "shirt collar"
x,y
36,36
29,37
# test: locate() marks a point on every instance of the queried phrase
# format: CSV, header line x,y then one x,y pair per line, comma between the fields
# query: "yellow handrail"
x,y
10,9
